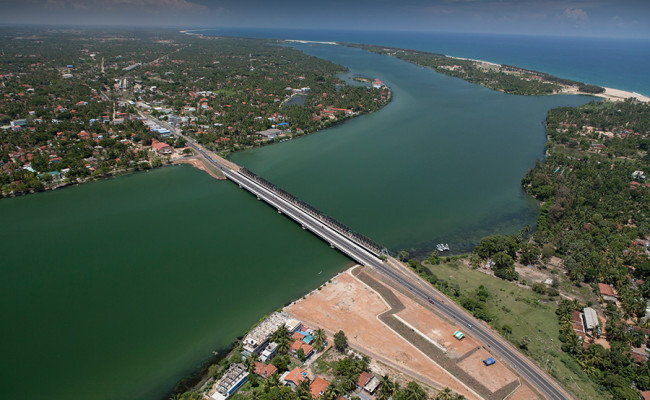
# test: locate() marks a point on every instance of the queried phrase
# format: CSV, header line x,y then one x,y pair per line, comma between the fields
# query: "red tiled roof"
x,y
318,386
297,344
265,370
645,395
296,376
364,378
606,290
159,145
297,336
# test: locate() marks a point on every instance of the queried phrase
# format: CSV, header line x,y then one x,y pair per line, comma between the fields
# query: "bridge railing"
x,y
340,227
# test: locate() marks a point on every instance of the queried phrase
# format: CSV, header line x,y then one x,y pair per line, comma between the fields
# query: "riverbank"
x,y
199,163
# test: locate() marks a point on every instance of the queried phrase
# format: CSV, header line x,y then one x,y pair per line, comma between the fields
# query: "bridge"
x,y
368,253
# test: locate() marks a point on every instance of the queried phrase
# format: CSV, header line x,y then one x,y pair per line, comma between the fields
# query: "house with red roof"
x,y
317,387
299,344
161,148
368,382
607,292
265,370
294,377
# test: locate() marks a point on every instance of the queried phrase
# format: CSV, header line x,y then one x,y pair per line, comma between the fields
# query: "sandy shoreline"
x,y
610,94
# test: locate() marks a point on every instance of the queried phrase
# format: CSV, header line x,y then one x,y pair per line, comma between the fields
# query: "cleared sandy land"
x,y
494,377
349,305
436,328
524,392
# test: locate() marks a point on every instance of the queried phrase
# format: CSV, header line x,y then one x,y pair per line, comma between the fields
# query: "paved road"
x,y
542,381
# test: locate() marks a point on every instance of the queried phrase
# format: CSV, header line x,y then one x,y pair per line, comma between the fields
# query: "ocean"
x,y
616,63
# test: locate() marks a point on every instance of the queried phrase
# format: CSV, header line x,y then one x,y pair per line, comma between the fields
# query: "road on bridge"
x,y
408,280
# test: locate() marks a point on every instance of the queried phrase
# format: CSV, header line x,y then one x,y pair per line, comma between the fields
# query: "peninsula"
x,y
501,77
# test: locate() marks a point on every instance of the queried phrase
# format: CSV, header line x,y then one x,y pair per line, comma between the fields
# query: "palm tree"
x,y
445,394
415,391
271,382
302,391
281,332
319,339
249,362
283,345
388,388
329,393
364,363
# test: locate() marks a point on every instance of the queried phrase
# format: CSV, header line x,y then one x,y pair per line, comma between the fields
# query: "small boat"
x,y
321,271
442,247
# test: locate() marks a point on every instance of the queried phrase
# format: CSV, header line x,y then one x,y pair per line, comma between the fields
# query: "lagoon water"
x,y
116,289
442,162
120,288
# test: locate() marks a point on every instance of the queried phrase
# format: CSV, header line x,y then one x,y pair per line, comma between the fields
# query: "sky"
x,y
596,18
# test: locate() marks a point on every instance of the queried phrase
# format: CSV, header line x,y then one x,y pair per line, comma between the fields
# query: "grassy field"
x,y
527,314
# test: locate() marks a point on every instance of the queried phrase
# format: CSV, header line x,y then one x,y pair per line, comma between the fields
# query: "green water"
x,y
118,289
442,162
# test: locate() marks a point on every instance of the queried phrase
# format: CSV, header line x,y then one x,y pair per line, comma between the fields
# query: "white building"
x,y
232,380
591,318
268,352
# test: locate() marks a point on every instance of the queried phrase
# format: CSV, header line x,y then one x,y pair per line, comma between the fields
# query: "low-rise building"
x,y
591,319
265,370
255,340
607,292
318,386
578,325
368,382
296,345
294,377
268,352
161,148
232,380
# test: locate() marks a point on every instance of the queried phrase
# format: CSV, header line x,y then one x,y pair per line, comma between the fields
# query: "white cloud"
x,y
576,14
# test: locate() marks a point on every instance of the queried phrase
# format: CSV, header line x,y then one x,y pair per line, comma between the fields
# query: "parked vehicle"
x,y
489,361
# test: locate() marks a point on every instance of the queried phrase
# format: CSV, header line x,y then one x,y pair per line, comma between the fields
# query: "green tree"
x,y
340,341
319,339
413,391
301,354
524,342
281,362
249,362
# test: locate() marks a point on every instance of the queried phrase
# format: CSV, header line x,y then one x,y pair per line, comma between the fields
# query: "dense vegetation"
x,y
594,207
613,368
504,78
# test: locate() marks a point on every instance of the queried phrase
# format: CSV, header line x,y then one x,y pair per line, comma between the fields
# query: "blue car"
x,y
489,361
